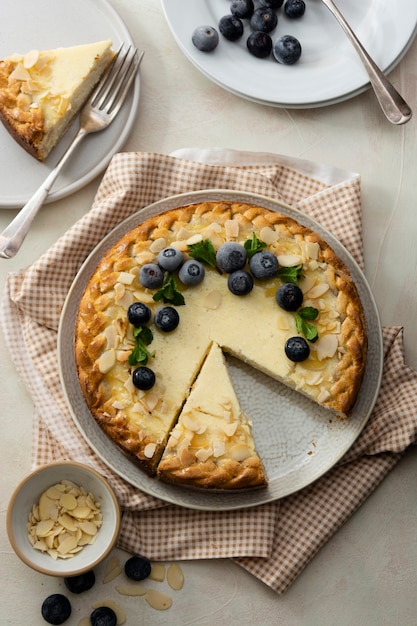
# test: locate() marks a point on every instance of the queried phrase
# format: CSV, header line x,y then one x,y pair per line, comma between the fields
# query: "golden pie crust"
x,y
140,422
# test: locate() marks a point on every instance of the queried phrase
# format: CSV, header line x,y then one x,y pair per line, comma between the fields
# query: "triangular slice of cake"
x,y
212,444
41,92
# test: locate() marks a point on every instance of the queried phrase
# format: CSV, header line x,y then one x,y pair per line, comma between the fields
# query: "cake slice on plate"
x,y
212,444
41,92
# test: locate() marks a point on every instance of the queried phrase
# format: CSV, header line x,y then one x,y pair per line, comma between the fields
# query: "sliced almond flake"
x,y
106,361
20,73
112,573
326,346
190,423
67,545
43,528
196,238
219,448
268,235
158,245
289,260
53,493
175,576
88,527
232,229
240,452
149,450
203,454
158,600
318,290
67,522
68,501
82,512
157,572
150,400
131,590
47,508
230,429
126,278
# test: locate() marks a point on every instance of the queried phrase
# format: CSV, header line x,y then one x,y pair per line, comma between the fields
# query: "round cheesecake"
x,y
187,427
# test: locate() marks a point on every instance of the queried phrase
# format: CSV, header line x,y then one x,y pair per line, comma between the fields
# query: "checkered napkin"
x,y
274,541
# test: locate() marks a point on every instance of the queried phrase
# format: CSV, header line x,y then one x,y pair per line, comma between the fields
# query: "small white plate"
x,y
329,69
43,25
297,440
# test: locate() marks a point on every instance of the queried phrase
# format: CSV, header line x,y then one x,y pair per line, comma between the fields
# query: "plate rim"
x,y
324,102
133,101
172,494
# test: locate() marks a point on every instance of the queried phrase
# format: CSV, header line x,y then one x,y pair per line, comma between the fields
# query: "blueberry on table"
x,y
151,276
143,378
191,273
263,265
259,44
240,283
170,259
242,8
296,349
294,8
81,582
138,567
287,50
167,319
138,313
231,27
205,38
231,256
289,297
103,616
264,19
56,609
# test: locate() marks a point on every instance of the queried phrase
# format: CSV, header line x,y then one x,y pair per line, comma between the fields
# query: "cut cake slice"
x,y
41,92
212,444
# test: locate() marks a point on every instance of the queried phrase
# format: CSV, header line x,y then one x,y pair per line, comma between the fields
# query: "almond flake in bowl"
x,y
63,519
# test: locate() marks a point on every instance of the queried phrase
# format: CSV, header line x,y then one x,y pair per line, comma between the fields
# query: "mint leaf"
x,y
140,354
308,313
169,292
290,274
203,251
253,245
303,326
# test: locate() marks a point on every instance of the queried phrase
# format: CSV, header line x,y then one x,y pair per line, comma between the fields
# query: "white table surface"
x,y
367,573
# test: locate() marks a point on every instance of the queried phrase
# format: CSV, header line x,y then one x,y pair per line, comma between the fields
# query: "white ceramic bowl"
x,y
28,493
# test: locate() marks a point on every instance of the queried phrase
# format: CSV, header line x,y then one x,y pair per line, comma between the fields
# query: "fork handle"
x,y
13,236
392,103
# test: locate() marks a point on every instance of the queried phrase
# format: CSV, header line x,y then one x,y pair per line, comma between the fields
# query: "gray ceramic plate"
x,y
296,439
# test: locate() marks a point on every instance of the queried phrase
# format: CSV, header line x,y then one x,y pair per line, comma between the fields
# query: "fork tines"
x,y
111,90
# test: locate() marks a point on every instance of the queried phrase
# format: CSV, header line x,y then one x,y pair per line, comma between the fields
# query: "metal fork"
x,y
392,103
100,110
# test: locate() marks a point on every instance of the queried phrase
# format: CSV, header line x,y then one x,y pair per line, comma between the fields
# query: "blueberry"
x,y
240,283
81,582
264,19
242,8
259,44
138,567
231,256
289,297
191,273
294,8
151,276
103,616
170,259
231,27
167,319
205,38
296,349
143,378
138,313
287,50
263,265
273,4
56,609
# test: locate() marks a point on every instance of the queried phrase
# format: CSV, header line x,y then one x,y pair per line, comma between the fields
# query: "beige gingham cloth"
x,y
274,541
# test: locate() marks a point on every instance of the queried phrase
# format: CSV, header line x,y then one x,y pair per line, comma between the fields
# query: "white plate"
x,y
329,69
297,440
43,25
